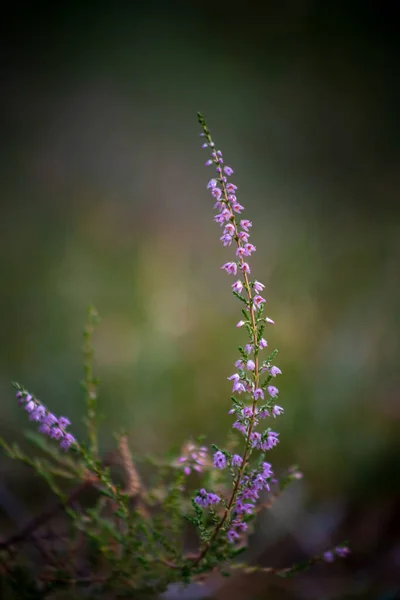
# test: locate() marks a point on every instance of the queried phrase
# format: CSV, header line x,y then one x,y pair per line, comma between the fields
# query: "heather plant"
x,y
134,536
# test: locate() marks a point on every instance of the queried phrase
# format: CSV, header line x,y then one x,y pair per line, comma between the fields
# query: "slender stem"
x,y
90,383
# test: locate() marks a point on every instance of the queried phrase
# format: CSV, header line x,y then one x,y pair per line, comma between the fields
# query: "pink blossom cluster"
x,y
251,486
340,551
193,458
49,424
206,498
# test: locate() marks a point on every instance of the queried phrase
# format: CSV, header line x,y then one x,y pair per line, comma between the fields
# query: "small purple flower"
x,y
38,414
239,364
342,551
247,411
231,188
217,193
232,536
67,441
240,427
237,385
213,498
237,286
258,287
56,433
255,439
209,163
50,419
267,470
236,460
271,441
201,499
230,267
212,184
226,239
258,393
270,321
20,397
250,365
245,224
205,499
63,422
262,343
228,171
248,249
258,301
243,236
245,268
263,414
243,508
241,525
237,208
193,457
225,215
30,406
240,324
277,410
328,557
274,371
219,460
272,391
229,229
44,428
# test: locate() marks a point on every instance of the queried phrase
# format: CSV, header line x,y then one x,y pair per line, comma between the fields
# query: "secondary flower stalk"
x,y
50,425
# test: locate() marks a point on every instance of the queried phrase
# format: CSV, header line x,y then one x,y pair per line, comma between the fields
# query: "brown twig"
x,y
41,519
134,487
22,535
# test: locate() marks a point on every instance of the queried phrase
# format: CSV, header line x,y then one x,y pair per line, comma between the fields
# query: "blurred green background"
x,y
104,201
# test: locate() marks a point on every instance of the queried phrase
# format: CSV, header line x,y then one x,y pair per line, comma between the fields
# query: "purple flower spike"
x,y
254,375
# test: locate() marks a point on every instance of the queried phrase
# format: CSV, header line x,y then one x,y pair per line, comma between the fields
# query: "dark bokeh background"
x,y
103,200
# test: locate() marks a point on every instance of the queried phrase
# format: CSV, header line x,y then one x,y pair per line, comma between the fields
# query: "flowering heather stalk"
x,y
253,375
136,533
49,424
